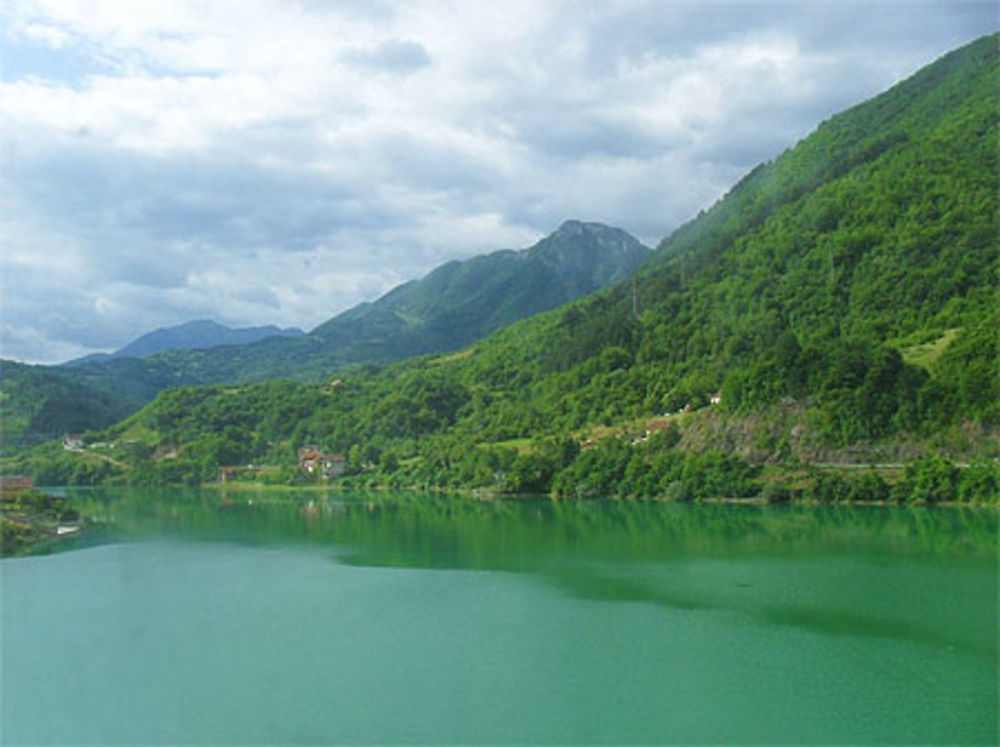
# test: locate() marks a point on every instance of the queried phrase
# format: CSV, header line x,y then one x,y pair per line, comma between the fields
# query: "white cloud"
x,y
277,161
49,35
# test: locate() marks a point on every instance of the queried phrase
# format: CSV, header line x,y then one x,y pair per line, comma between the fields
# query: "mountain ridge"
x,y
386,329
461,301
447,308
193,335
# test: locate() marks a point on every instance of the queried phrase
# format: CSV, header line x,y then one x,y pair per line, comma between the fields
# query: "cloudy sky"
x,y
278,161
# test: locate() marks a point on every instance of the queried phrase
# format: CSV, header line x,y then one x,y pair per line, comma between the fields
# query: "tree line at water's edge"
x,y
31,520
838,305
417,529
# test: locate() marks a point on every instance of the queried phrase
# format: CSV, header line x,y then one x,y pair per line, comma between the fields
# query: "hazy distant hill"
x,y
199,334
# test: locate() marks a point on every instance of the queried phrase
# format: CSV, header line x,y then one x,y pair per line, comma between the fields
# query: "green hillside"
x,y
841,300
38,404
452,306
460,302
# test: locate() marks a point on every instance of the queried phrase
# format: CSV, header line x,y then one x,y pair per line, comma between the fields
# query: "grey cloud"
x,y
570,134
258,295
431,165
222,198
47,306
392,56
26,343
674,29
53,316
148,227
915,29
138,260
762,131
681,29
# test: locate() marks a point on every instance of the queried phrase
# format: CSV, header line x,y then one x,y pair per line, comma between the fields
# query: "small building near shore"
x,y
312,461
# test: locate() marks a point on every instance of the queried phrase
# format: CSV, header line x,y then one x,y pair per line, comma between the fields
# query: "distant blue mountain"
x,y
195,335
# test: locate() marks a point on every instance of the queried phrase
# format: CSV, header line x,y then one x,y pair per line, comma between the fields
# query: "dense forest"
x,y
839,304
40,403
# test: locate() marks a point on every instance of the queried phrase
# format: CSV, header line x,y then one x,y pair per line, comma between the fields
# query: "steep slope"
x,y
196,335
460,302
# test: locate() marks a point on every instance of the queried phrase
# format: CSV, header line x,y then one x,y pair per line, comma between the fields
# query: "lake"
x,y
282,618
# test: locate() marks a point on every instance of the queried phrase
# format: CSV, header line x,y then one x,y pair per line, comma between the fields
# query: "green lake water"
x,y
277,618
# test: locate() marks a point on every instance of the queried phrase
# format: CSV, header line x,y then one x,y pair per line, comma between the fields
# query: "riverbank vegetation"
x,y
31,520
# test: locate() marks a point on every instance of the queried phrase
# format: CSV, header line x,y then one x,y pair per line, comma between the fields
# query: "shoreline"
x,y
33,532
487,494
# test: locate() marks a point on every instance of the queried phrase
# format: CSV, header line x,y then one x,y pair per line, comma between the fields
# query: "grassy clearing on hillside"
x,y
443,359
926,354
520,445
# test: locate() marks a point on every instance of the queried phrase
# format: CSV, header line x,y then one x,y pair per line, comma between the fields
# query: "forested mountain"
x,y
454,305
39,403
196,335
840,299
460,302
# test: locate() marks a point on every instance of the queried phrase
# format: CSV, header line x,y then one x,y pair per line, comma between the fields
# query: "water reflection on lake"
x,y
398,617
